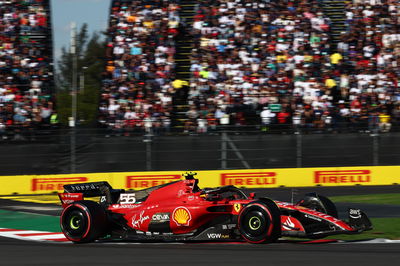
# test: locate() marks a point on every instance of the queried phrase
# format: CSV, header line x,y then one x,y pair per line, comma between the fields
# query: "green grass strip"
x,y
29,221
393,199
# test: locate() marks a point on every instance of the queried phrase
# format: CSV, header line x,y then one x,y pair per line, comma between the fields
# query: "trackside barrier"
x,y
254,178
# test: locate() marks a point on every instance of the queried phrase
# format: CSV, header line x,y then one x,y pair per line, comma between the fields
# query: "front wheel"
x,y
83,221
319,203
259,222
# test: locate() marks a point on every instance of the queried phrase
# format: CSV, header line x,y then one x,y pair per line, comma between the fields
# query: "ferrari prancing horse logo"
x,y
237,207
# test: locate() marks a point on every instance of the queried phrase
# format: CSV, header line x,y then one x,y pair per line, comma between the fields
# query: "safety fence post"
x,y
299,151
375,149
148,140
223,150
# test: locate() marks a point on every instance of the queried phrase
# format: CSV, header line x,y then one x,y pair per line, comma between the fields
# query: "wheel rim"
x,y
254,223
75,222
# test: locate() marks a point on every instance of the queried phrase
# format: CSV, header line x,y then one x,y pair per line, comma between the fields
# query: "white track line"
x,y
371,241
32,235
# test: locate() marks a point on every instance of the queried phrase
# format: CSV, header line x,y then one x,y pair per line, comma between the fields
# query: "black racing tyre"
x,y
319,203
260,222
83,221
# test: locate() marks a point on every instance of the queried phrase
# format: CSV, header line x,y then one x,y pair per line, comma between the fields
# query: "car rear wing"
x,y
76,192
91,189
68,198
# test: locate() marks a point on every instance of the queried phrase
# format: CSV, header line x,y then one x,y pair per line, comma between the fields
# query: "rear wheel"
x,y
83,221
259,222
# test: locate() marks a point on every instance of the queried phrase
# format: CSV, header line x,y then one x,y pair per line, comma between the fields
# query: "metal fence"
x,y
95,150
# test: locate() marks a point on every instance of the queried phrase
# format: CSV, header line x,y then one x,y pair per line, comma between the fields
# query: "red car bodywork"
x,y
181,208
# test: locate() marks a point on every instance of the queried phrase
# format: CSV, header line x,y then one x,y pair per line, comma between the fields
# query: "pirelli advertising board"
x,y
250,178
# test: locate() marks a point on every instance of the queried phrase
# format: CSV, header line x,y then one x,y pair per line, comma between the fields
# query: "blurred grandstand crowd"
x,y
137,91
26,77
277,58
257,62
273,63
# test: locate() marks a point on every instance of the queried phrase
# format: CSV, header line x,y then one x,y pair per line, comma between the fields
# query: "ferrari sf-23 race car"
x,y
181,211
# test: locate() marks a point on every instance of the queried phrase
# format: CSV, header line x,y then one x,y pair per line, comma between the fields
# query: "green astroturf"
x,y
29,221
393,199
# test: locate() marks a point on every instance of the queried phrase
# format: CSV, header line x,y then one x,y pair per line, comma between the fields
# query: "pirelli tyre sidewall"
x,y
259,222
83,221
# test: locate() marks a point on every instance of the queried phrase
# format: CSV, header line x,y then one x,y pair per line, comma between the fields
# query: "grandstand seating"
x,y
335,10
290,64
137,91
282,56
26,72
316,65
248,55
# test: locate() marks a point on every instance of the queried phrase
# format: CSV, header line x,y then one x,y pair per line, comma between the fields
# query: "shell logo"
x,y
181,216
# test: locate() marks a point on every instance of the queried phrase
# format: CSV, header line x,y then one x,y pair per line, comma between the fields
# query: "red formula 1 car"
x,y
182,211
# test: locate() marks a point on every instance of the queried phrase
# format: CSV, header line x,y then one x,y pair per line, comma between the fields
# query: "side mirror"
x,y
252,195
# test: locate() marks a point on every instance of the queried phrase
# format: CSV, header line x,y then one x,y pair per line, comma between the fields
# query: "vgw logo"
x,y
217,236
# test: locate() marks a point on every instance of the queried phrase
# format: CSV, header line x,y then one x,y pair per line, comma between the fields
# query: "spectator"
x,y
384,122
266,117
201,125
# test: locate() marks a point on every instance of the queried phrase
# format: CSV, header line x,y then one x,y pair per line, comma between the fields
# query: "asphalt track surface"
x,y
31,253
18,252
